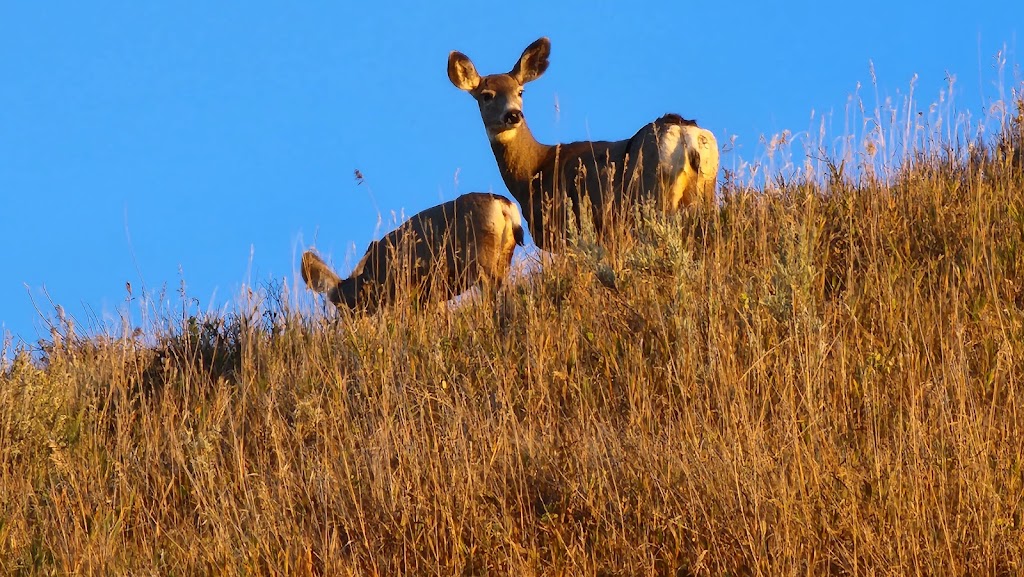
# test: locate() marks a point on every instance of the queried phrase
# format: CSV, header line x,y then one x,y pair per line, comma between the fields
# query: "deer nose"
x,y
513,117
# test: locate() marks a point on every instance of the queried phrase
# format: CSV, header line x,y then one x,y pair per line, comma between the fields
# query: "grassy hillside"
x,y
822,377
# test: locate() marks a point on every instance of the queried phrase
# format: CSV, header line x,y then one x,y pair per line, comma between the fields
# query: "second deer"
x,y
438,254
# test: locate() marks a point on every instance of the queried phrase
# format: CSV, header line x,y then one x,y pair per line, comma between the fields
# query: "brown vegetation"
x,y
811,379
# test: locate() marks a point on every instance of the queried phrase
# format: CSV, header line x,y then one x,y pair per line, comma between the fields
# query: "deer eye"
x,y
520,93
487,96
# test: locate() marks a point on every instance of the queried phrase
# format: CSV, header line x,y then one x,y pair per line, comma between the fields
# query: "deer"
x,y
440,253
671,161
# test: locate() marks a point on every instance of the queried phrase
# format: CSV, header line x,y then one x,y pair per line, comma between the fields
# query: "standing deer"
x,y
440,252
670,160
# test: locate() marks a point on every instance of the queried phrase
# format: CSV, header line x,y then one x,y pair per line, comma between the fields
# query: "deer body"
x,y
670,160
440,253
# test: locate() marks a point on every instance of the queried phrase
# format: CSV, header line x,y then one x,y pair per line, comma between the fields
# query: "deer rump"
x,y
437,254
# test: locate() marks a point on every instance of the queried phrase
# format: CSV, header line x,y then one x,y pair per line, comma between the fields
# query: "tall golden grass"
x,y
820,376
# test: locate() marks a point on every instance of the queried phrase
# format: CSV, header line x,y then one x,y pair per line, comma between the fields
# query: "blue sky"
x,y
209,143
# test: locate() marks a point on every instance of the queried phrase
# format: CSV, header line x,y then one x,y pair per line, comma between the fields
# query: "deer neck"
x,y
520,158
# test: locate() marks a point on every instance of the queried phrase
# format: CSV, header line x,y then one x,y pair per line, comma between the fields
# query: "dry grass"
x,y
813,379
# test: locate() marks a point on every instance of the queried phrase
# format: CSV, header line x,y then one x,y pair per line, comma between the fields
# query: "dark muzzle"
x,y
513,118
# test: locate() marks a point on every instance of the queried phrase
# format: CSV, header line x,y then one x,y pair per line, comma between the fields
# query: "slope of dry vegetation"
x,y
809,380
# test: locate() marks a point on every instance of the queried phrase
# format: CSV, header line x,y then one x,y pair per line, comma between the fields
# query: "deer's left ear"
x,y
461,71
316,274
533,62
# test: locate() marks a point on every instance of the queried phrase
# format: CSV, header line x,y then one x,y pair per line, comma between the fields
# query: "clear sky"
x,y
209,143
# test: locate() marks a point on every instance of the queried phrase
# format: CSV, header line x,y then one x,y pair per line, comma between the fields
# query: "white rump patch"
x,y
678,177
511,211
672,147
681,180
706,143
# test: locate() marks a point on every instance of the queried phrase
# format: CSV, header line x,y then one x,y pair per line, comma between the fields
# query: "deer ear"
x,y
461,71
533,62
317,275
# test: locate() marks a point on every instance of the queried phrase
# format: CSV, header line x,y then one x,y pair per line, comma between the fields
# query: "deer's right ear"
x,y
461,71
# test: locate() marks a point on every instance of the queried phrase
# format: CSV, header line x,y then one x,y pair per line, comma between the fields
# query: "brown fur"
x,y
439,253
